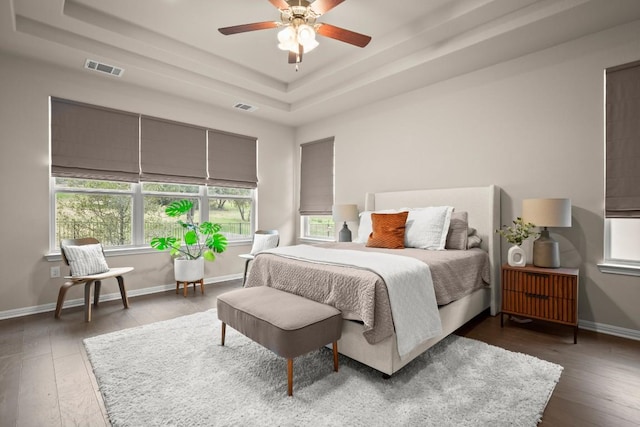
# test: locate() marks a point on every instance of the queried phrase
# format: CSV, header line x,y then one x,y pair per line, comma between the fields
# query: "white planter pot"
x,y
188,270
516,257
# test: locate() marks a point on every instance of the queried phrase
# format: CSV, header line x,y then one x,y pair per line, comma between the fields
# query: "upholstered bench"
x,y
287,324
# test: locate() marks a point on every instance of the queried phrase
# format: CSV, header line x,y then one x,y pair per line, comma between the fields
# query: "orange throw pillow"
x,y
388,230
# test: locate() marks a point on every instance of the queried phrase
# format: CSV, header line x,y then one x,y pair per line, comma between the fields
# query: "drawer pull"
x,y
536,274
538,296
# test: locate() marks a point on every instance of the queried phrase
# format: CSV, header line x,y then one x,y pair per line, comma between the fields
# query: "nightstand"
x,y
549,294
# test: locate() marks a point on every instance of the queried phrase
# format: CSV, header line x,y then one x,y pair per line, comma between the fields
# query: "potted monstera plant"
x,y
199,242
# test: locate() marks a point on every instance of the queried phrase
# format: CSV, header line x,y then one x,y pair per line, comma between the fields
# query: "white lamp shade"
x,y
345,213
547,212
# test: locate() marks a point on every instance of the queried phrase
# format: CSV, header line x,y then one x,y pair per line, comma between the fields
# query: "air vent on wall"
x,y
103,68
245,107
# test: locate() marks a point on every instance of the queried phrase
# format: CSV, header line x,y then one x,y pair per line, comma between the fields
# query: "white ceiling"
x,y
174,45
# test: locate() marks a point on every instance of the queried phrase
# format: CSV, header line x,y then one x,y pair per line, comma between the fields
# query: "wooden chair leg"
x,y
123,291
335,356
290,377
224,331
87,300
96,292
61,294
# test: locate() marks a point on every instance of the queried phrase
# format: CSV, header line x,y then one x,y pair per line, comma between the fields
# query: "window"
x,y
130,215
316,190
89,208
622,192
114,172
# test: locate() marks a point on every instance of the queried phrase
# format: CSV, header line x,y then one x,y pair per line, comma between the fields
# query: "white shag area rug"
x,y
176,373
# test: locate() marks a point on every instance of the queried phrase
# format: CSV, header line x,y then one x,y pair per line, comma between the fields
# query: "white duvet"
x,y
409,285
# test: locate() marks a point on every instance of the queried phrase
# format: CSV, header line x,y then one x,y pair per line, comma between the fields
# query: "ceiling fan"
x,y
299,27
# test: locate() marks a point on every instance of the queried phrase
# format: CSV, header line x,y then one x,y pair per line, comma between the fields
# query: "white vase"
x,y
516,257
188,270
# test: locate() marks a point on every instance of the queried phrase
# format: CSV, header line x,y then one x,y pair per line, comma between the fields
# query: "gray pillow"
x,y
86,260
457,235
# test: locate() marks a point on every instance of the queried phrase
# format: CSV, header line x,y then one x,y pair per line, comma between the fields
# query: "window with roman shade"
x,y
316,177
172,152
232,160
92,142
623,141
622,175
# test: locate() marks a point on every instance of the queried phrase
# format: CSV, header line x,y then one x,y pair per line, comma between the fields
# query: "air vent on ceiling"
x,y
103,68
245,107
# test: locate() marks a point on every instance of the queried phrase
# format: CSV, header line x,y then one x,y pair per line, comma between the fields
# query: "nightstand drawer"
x,y
540,306
540,283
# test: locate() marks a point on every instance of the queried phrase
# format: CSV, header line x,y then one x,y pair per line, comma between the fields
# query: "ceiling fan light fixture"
x,y
310,45
286,35
306,34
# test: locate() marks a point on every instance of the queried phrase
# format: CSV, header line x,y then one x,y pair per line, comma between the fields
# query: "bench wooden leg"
x,y
224,330
290,377
335,356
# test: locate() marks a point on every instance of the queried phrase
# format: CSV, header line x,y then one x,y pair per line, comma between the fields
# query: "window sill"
x,y
111,252
619,268
312,240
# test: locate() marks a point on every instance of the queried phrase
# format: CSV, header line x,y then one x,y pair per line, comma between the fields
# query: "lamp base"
x,y
345,234
546,251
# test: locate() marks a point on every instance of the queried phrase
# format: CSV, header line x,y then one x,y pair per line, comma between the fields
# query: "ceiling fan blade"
x,y
296,57
323,6
280,4
343,35
248,27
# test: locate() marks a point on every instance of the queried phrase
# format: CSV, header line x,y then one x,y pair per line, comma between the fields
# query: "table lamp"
x,y
546,213
345,213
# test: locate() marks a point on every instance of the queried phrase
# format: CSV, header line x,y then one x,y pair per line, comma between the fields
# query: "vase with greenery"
x,y
199,241
516,234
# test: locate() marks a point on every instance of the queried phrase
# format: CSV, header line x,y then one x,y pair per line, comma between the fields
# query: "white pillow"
x,y
366,227
86,260
427,228
264,241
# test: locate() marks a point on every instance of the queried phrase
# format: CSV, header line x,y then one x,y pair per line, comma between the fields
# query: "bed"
x,y
378,347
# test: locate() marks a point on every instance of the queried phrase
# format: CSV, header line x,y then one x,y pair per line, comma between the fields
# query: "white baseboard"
x,y
26,311
602,328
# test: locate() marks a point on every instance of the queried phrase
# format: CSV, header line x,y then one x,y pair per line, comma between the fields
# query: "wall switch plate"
x,y
55,272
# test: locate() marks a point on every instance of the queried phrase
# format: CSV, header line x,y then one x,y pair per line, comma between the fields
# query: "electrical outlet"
x,y
55,272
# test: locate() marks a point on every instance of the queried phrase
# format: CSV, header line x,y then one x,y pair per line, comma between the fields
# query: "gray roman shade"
x,y
622,199
232,160
316,177
172,152
91,142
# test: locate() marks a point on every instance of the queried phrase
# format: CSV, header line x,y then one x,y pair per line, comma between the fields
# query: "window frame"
x,y
137,212
615,265
304,227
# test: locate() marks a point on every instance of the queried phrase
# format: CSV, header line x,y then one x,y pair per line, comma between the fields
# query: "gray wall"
x,y
24,167
533,126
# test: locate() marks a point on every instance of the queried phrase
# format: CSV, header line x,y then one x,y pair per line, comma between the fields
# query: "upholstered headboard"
x,y
482,205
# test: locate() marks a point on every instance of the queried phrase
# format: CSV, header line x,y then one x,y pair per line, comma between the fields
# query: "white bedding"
x,y
409,284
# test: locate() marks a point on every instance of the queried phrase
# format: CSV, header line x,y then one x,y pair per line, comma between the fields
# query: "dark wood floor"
x,y
46,378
